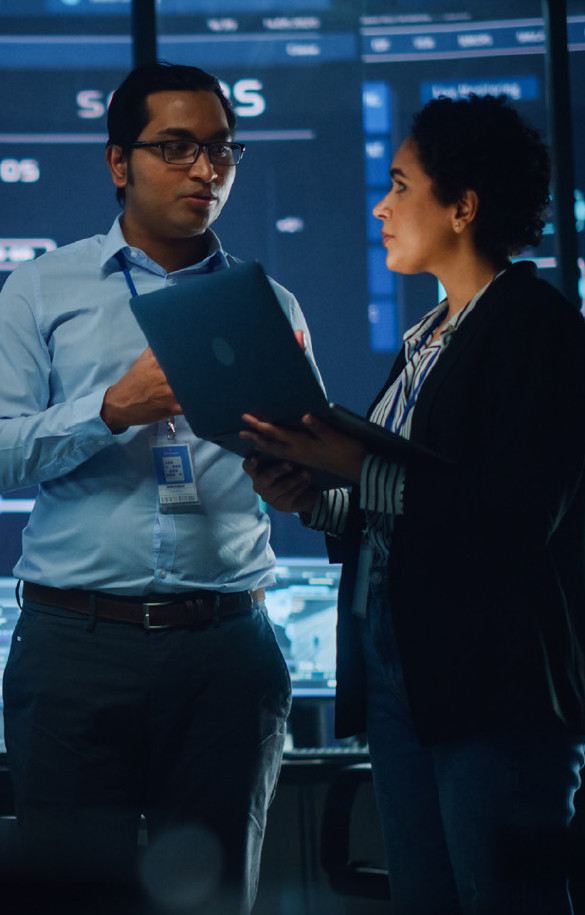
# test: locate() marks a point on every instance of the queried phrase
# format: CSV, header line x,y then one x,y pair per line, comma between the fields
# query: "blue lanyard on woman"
x,y
414,394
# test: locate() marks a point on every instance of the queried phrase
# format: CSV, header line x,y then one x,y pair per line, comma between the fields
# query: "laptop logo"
x,y
222,351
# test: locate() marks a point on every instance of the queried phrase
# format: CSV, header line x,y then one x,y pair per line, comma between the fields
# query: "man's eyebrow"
x,y
223,133
394,172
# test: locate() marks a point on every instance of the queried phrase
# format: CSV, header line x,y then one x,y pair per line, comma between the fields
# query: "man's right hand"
x,y
140,397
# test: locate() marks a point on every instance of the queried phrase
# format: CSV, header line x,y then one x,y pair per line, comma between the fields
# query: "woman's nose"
x,y
382,209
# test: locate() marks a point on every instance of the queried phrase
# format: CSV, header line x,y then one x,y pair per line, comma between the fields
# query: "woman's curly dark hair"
x,y
482,144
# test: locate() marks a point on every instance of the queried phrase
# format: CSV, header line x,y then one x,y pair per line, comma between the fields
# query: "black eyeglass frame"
x,y
236,148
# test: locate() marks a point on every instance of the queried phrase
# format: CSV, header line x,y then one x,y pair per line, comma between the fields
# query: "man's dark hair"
x,y
482,144
128,112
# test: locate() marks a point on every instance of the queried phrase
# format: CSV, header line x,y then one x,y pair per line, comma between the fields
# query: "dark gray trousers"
x,y
107,723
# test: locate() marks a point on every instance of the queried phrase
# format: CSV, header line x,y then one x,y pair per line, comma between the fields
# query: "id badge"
x,y
359,603
175,477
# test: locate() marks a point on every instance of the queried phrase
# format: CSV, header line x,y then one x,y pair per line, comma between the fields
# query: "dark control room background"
x,y
324,91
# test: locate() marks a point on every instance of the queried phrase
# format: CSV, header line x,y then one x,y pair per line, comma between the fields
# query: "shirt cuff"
x,y
86,419
329,513
382,486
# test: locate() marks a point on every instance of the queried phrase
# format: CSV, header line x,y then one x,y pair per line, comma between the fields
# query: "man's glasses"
x,y
184,152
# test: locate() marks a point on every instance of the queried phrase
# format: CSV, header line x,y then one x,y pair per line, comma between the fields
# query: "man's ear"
x,y
118,165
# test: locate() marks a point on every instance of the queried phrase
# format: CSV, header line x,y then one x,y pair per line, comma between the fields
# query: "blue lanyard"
x,y
171,429
414,394
126,272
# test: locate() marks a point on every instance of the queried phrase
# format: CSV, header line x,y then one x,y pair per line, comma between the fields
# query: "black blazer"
x,y
487,564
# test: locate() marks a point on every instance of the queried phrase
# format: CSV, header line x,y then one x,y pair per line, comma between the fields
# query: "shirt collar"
x,y
114,242
414,335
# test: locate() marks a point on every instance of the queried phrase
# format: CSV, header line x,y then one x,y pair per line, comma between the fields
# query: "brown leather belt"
x,y
196,608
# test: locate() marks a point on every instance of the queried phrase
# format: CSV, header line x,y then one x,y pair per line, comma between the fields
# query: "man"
x,y
144,677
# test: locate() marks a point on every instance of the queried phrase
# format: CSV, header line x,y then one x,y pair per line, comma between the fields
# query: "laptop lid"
x,y
227,348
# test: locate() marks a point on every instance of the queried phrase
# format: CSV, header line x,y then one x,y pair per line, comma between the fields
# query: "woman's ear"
x,y
466,210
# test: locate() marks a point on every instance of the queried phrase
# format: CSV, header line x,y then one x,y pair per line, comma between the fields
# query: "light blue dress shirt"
x,y
66,334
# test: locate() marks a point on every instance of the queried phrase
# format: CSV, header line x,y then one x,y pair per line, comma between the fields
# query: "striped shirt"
x,y
382,482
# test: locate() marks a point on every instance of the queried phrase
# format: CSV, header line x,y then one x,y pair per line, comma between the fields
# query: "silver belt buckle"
x,y
146,613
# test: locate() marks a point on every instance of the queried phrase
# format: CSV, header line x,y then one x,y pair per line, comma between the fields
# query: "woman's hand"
x,y
317,445
282,485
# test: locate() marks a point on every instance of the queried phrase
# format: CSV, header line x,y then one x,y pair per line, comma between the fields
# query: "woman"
x,y
464,663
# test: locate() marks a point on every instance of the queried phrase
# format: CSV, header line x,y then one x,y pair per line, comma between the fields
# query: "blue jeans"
x,y
107,721
477,825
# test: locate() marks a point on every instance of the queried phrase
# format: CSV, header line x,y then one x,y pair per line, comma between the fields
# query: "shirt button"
x,y
172,282
376,578
162,573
